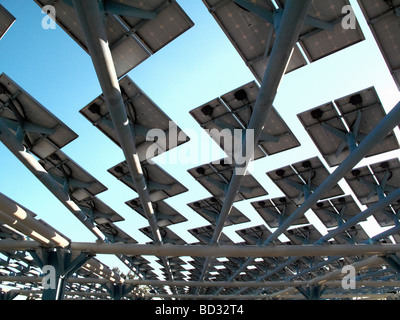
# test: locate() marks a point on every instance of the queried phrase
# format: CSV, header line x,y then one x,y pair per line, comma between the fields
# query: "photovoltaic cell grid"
x,y
154,131
300,179
132,40
165,214
337,127
161,185
215,177
210,208
371,183
6,21
252,32
296,181
383,20
42,132
226,117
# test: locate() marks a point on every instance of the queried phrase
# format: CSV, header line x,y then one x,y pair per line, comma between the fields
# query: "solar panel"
x,y
383,20
275,211
303,235
6,21
253,35
147,121
71,177
41,132
165,214
131,40
370,184
161,184
232,111
115,234
336,127
167,235
205,233
353,235
254,235
318,42
96,209
336,211
388,216
215,176
210,208
299,179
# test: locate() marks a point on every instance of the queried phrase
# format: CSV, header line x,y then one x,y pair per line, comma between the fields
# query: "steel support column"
x,y
288,33
91,17
64,267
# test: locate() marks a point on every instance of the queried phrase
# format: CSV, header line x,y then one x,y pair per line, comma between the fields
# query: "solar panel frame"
x,y
229,112
249,34
115,234
355,235
168,215
256,235
383,23
331,211
303,235
299,175
362,110
124,38
146,119
55,134
160,183
275,211
68,173
99,211
205,233
365,180
6,21
319,43
209,209
167,236
217,174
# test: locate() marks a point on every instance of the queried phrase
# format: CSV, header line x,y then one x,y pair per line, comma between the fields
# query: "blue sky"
x,y
195,68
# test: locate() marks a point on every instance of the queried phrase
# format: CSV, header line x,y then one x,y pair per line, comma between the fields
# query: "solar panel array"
x,y
336,128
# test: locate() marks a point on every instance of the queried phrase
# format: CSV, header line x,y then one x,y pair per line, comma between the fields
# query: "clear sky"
x,y
195,68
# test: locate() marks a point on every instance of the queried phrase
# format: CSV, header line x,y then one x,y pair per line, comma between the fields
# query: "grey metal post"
x,y
288,33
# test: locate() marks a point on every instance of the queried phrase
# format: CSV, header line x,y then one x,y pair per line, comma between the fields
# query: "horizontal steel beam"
x,y
215,250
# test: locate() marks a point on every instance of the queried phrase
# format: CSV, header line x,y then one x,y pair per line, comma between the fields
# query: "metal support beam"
x,y
215,250
288,33
18,149
91,17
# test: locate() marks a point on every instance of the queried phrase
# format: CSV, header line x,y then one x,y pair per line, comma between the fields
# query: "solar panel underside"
x,y
165,214
253,36
383,20
275,211
6,21
44,133
299,179
210,208
131,40
154,131
224,119
332,125
216,176
161,184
